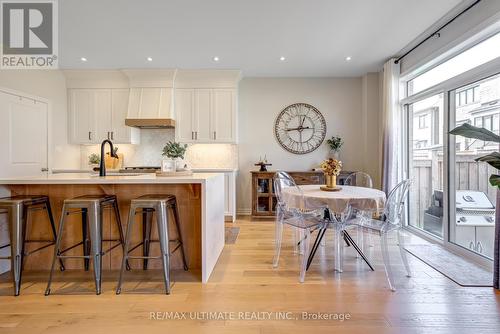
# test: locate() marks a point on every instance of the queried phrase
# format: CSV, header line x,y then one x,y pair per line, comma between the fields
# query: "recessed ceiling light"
x,y
216,58
83,59
282,58
149,59
348,58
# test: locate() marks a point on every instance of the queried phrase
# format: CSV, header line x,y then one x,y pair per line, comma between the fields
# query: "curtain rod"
x,y
436,33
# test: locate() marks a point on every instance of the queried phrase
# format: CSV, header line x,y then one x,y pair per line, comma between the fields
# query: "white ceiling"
x,y
315,36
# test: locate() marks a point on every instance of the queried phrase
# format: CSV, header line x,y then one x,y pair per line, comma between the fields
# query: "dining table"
x,y
366,200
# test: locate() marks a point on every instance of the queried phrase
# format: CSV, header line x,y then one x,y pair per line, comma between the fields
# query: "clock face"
x,y
300,128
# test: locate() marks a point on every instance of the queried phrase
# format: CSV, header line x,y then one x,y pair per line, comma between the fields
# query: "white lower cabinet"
x,y
98,114
479,239
229,191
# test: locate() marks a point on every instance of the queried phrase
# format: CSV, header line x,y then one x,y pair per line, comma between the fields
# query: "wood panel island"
x,y
200,199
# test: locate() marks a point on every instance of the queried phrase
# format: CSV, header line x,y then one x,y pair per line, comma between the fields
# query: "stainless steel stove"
x,y
140,169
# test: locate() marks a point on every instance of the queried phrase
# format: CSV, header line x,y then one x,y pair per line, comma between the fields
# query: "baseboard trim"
x,y
243,212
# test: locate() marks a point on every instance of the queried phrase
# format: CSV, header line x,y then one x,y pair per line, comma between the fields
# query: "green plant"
x,y
174,150
469,131
94,159
335,143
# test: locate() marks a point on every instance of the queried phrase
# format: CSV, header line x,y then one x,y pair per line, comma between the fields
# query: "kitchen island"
x,y
200,199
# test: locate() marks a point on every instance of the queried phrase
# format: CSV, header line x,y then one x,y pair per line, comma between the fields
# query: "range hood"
x,y
151,99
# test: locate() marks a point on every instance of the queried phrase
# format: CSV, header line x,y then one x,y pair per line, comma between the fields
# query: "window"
x,y
478,121
467,96
434,206
422,122
477,55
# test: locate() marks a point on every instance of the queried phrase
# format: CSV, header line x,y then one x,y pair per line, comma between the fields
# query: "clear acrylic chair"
x,y
302,217
340,222
361,179
390,221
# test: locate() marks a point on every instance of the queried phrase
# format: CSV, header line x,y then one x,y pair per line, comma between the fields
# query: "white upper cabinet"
x,y
202,115
206,108
206,115
184,107
223,115
82,116
102,112
98,114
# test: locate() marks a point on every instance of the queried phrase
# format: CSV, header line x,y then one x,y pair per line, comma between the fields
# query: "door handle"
x,y
90,135
192,135
215,135
108,135
112,135
44,169
196,135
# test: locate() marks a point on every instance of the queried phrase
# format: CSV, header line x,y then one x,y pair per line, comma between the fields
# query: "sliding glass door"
x,y
472,198
425,164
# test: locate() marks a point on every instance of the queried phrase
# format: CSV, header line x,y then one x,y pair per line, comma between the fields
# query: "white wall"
x,y
49,84
338,99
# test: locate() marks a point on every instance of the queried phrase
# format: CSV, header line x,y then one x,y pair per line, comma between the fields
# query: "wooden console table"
x,y
263,197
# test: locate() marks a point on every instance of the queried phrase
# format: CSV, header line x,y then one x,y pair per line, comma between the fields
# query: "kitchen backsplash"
x,y
148,153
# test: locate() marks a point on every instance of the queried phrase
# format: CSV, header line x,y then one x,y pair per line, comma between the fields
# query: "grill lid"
x,y
473,200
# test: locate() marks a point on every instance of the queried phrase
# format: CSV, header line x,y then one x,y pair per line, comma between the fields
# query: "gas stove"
x,y
140,169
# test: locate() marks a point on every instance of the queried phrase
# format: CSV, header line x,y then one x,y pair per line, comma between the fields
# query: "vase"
x,y
331,181
334,155
168,165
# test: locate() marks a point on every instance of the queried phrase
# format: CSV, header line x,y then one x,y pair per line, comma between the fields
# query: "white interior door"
x,y
23,136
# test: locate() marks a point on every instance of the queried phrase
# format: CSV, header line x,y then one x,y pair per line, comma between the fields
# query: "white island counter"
x,y
200,200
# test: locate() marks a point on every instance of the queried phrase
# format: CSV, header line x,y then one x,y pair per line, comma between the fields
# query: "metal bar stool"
x,y
148,204
18,208
91,208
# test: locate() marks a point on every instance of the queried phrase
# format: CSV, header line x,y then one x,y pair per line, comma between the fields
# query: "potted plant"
x,y
94,160
331,168
469,131
174,151
335,143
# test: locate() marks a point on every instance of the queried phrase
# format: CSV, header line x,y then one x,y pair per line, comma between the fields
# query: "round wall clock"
x,y
300,128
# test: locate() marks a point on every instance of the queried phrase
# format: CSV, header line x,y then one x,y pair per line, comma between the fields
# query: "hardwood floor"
x,y
244,281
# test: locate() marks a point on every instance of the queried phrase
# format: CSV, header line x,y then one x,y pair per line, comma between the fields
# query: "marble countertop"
x,y
200,170
82,178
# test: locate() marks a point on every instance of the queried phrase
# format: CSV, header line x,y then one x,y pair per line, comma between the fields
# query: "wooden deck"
x,y
244,281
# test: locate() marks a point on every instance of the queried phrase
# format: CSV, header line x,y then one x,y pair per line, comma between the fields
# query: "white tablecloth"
x,y
366,199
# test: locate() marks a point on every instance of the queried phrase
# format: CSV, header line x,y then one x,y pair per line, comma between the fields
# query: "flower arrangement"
x,y
331,166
